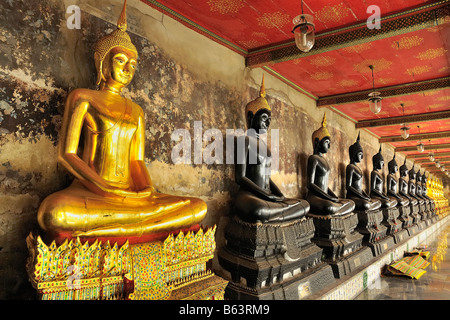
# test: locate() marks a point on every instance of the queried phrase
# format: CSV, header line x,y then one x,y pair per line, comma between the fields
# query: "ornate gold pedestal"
x,y
174,269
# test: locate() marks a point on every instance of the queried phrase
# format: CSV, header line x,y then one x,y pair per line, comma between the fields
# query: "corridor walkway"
x,y
433,285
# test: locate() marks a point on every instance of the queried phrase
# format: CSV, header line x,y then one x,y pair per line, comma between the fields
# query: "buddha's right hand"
x,y
113,192
130,194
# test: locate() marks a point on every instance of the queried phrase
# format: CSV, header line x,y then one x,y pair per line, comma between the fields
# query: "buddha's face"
x,y
359,156
393,169
261,121
380,164
324,145
404,172
122,65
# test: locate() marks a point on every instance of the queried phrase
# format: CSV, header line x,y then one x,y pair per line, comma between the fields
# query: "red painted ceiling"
x,y
249,26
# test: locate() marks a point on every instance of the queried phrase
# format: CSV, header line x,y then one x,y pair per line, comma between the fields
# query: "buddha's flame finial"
x,y
324,121
122,22
262,90
359,136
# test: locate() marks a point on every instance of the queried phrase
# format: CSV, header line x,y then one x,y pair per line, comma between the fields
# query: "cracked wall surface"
x,y
182,77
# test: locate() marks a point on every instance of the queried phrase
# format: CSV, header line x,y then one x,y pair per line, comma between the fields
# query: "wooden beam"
x,y
393,25
416,137
427,147
430,164
386,92
431,116
425,155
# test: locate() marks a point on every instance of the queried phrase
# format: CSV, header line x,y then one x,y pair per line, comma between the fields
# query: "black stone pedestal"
x,y
428,214
341,243
272,260
374,232
422,214
400,236
393,224
414,214
405,217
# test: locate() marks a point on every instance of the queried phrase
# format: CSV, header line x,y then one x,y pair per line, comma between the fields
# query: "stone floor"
x,y
433,285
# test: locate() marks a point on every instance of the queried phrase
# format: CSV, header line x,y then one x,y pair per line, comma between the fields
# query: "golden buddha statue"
x,y
112,193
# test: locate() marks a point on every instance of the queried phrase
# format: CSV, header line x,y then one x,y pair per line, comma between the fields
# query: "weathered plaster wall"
x,y
182,77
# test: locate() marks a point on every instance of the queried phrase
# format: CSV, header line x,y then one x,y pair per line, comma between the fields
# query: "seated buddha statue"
x,y
377,183
322,199
112,193
259,199
392,184
425,188
412,185
354,181
419,187
404,189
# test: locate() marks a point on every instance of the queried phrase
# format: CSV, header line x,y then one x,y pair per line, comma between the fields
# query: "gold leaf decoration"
x,y
358,48
444,98
431,54
226,6
273,20
416,70
430,93
322,61
407,42
322,75
333,13
379,65
436,106
385,81
347,83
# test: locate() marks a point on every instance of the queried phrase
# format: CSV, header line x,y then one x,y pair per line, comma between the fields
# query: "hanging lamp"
x,y
405,129
304,31
431,154
420,146
374,97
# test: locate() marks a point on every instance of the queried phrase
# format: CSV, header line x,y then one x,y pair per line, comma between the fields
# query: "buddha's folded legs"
x,y
366,205
322,206
252,209
77,211
388,203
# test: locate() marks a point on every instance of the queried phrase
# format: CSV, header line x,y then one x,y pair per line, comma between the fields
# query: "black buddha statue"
x,y
404,189
259,199
322,199
431,205
392,184
419,188
354,181
377,183
412,187
425,189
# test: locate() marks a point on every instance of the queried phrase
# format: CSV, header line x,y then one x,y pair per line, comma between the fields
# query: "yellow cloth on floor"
x,y
411,266
423,254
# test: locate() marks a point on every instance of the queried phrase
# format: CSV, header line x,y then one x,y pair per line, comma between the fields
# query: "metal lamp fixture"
x,y
374,97
437,164
420,146
304,31
405,128
431,154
